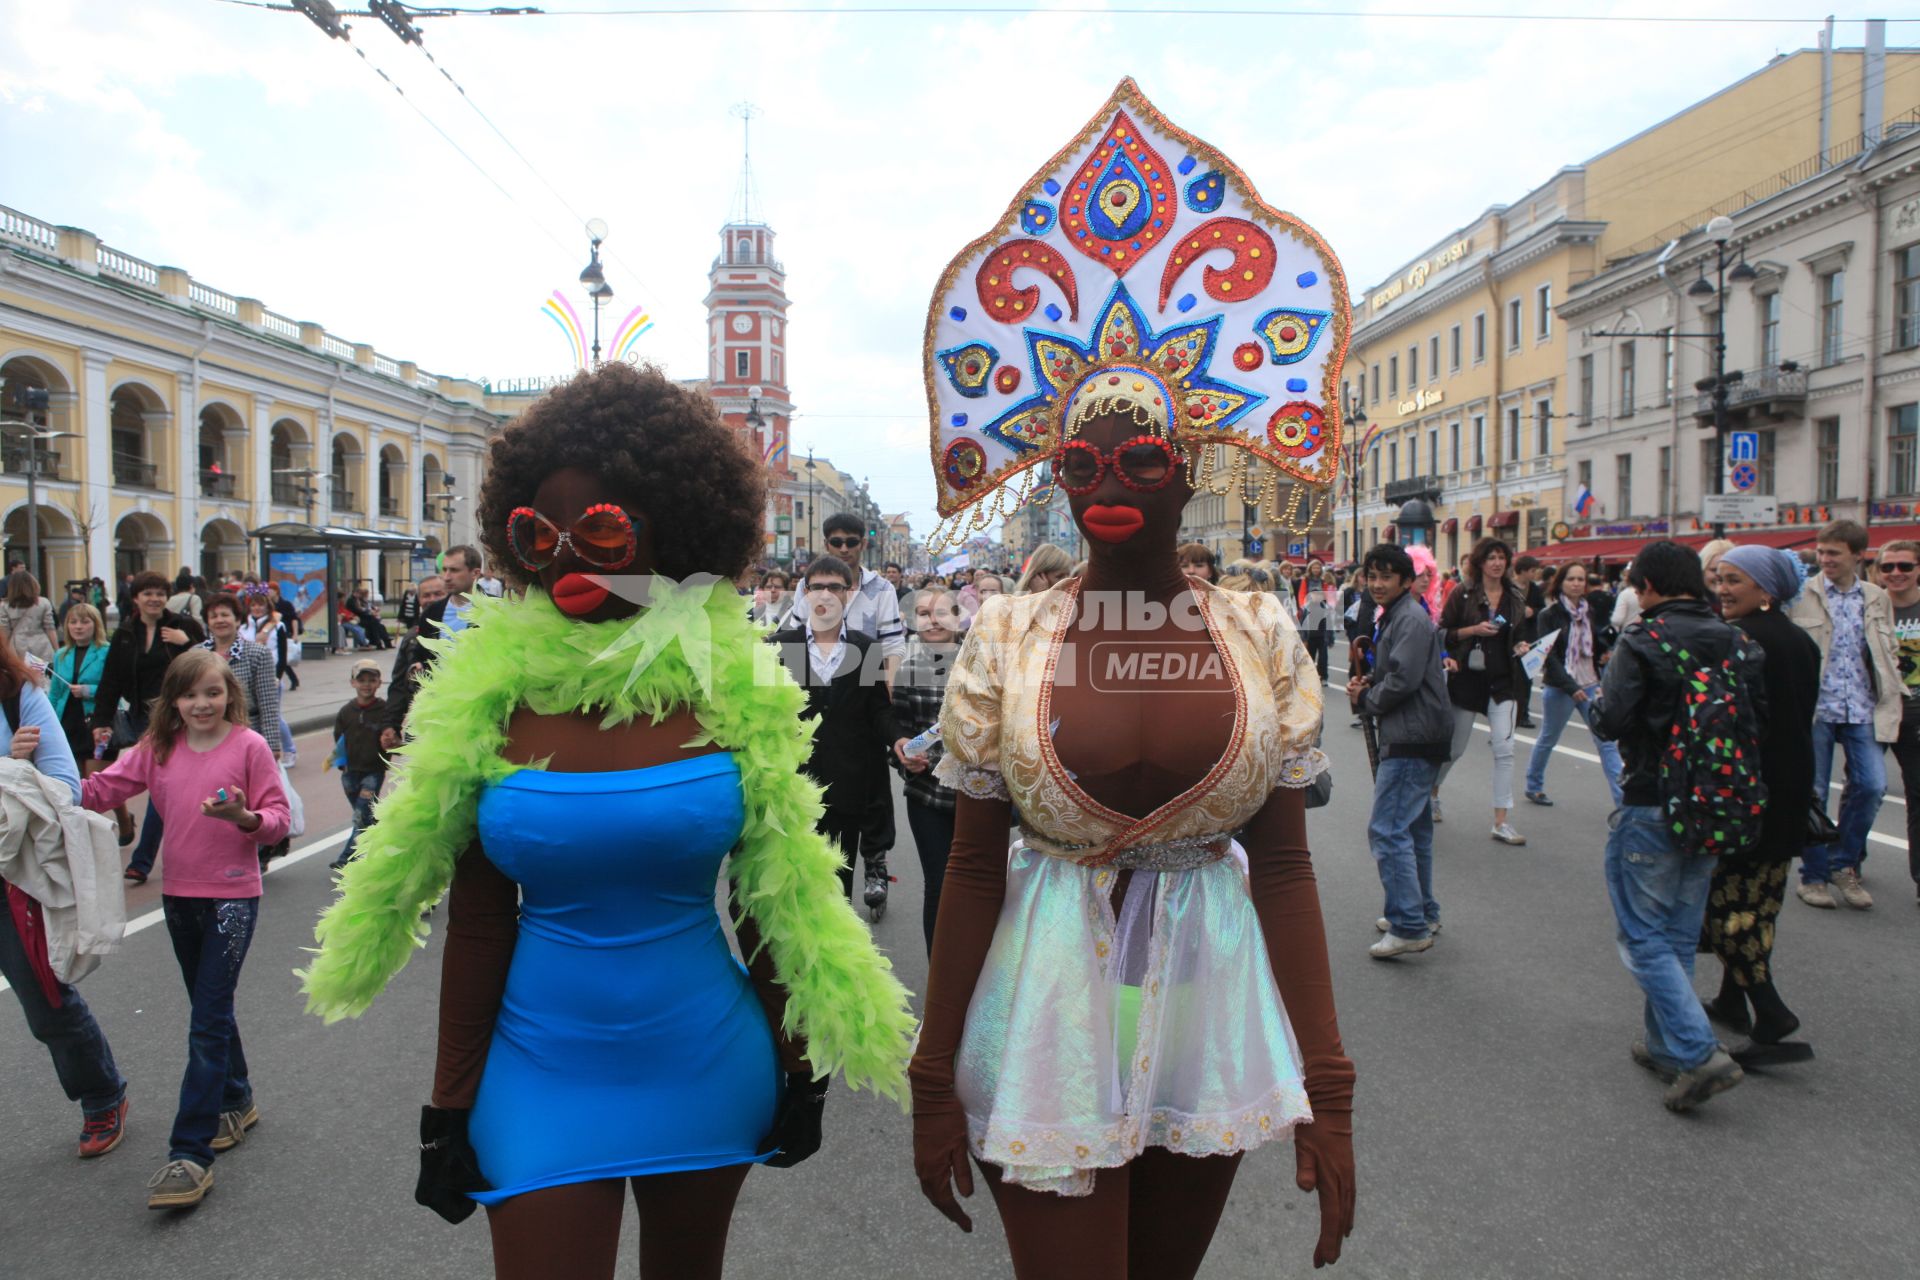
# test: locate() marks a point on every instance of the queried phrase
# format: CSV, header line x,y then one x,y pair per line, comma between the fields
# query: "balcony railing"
x,y
1774,392
137,472
216,484
344,499
1413,487
390,506
45,462
286,492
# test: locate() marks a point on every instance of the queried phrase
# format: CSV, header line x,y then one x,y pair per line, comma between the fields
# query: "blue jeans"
x,y
81,1057
355,784
210,940
1400,833
1659,901
1859,799
148,847
1556,709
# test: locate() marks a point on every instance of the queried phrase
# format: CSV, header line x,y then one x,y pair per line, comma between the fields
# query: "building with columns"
x,y
179,418
1466,359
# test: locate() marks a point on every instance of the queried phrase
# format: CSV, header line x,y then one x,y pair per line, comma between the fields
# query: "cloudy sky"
x,y
242,145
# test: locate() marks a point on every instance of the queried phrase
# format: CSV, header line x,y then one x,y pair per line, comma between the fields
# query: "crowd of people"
x,y
1717,685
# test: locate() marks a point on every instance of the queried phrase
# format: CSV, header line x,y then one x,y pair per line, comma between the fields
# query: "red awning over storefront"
x,y
1504,520
1473,523
1391,533
1450,525
1880,535
1585,550
1791,539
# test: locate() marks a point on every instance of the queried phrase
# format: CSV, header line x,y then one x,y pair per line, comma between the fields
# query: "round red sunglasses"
x,y
1144,464
603,537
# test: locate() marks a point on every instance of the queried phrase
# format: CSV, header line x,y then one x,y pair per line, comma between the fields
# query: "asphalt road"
x,y
1502,1130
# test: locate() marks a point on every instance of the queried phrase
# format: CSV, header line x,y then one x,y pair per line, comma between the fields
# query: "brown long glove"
x,y
483,923
970,900
1287,902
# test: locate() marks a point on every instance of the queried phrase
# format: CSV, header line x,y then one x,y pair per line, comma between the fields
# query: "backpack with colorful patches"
x,y
1710,785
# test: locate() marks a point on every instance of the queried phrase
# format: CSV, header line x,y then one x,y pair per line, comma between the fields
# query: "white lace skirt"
x,y
1091,1038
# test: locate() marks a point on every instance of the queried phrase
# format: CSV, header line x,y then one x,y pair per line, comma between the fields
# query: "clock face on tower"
x,y
742,323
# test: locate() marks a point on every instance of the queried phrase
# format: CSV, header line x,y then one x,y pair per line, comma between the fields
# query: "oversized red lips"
x,y
1112,524
577,594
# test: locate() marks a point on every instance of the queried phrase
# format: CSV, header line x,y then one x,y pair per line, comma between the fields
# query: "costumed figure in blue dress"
x,y
581,762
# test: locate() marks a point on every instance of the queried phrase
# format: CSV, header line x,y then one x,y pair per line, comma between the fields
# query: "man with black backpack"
x,y
1682,696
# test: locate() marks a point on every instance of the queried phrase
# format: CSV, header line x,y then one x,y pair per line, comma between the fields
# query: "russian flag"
x,y
1583,502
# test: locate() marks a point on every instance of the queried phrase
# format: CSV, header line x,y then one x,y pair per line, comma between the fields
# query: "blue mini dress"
x,y
629,1041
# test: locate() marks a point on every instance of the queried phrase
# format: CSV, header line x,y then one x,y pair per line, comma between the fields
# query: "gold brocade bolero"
x,y
994,723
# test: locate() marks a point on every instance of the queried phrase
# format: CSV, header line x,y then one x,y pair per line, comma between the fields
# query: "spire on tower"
x,y
746,113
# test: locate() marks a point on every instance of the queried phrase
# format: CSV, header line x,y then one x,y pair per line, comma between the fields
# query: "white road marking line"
x,y
322,845
1891,841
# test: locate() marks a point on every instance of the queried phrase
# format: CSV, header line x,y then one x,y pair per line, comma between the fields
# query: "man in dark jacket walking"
x,y
1407,693
844,674
1659,891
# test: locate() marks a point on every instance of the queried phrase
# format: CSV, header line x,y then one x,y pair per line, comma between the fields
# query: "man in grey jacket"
x,y
1406,691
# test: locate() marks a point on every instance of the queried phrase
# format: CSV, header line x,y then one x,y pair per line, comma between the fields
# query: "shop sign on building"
x,y
1416,277
1422,399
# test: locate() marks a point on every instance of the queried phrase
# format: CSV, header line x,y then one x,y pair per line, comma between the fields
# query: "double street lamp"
x,y
1355,440
1720,230
599,291
34,434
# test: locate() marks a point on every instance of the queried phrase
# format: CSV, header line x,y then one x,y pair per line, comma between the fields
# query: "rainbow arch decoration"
x,y
629,332
561,312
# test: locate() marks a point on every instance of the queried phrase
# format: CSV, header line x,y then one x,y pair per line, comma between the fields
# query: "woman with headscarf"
x,y
1572,675
1757,584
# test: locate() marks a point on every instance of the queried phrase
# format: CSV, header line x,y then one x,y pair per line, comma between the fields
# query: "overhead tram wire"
x,y
396,17
1101,11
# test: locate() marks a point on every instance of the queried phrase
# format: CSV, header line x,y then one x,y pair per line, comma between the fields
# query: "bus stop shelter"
x,y
307,562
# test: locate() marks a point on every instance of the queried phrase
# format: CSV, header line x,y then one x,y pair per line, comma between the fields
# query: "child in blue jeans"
x,y
357,729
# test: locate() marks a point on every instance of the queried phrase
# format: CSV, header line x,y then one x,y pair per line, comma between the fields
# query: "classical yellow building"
x,y
164,421
1460,357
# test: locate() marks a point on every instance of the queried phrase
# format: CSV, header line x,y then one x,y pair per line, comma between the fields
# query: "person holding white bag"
x,y
1578,650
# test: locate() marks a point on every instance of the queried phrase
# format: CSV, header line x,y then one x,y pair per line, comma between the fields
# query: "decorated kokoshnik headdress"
x,y
1138,272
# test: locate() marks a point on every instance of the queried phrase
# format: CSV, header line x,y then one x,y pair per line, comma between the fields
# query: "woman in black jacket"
x,y
1756,586
1581,643
1480,621
146,642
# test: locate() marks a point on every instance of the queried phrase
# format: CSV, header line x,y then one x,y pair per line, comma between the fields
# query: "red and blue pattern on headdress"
x,y
1137,249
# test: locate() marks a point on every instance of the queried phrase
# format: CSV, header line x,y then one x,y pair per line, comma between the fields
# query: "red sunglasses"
x,y
1144,464
603,538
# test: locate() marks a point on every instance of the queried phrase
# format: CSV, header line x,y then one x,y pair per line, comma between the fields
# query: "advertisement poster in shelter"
x,y
302,577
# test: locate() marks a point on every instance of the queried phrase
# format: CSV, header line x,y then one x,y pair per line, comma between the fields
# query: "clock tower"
x,y
747,341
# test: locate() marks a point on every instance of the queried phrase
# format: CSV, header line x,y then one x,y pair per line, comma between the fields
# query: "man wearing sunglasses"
x,y
1900,575
872,608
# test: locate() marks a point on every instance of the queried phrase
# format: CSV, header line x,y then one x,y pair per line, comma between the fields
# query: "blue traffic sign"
x,y
1743,446
1296,548
1253,546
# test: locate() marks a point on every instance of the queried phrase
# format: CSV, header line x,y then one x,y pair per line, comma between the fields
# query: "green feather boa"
x,y
841,994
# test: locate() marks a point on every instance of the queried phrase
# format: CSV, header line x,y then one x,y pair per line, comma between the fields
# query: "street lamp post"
x,y
34,435
598,290
1720,229
812,513
1356,424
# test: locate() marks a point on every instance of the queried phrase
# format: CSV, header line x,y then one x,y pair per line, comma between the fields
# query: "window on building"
x,y
1665,338
1623,483
1346,393
1513,324
1393,461
1906,297
1453,349
1433,451
1479,439
1542,428
1393,375
742,364
1827,460
1479,337
1543,313
1586,390
1413,454
1666,479
1833,294
1376,384
1709,462
776,369
1453,447
1903,434
1433,358
1513,435
1764,464
1623,403
1373,463
1769,330
1413,366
